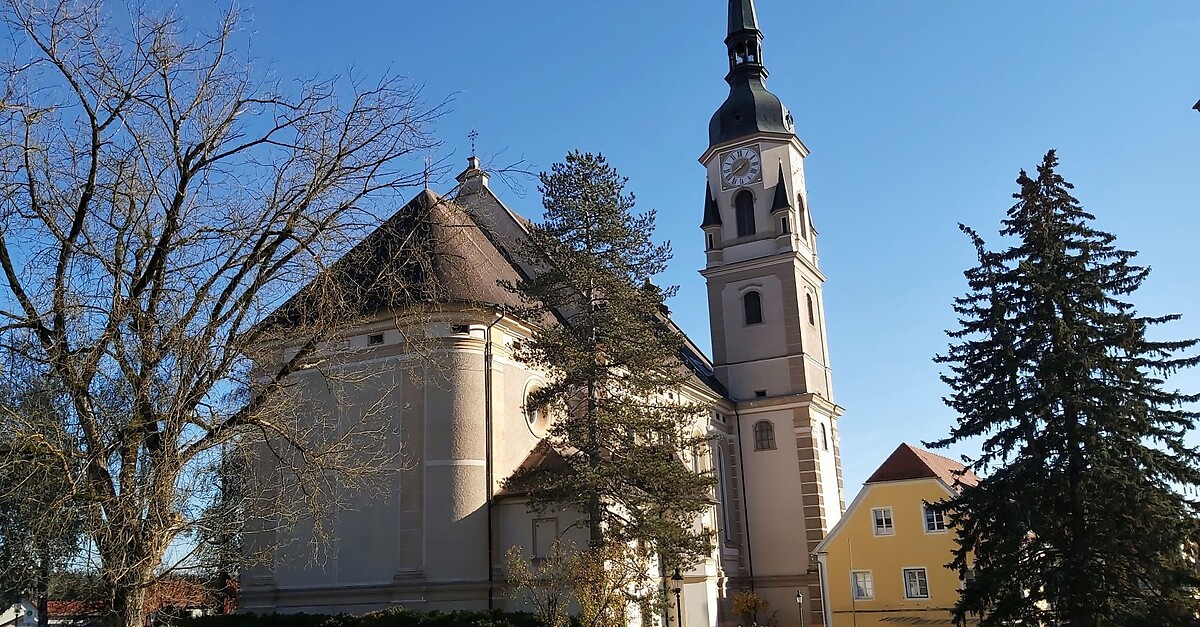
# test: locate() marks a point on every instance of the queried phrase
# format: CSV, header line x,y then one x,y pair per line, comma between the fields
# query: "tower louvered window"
x,y
743,205
752,307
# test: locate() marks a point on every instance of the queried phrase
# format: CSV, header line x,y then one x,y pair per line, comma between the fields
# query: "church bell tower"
x,y
768,326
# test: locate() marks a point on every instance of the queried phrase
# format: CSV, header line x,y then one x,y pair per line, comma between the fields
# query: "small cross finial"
x,y
473,135
428,162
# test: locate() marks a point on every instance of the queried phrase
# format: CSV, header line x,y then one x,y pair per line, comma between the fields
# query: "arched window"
x,y
812,309
752,307
824,437
764,435
743,205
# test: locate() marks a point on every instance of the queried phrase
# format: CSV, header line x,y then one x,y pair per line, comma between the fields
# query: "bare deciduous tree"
x,y
158,199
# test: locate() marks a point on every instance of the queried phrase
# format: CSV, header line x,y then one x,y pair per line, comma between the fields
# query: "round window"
x,y
538,420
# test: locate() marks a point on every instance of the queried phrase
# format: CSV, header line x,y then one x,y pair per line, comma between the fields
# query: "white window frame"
x,y
870,585
926,510
904,579
889,529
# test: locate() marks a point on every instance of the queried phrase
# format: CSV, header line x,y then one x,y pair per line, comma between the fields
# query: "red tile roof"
x,y
74,609
909,462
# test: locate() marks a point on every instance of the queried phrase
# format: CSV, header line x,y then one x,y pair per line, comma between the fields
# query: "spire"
x,y
750,108
783,200
744,40
742,16
712,214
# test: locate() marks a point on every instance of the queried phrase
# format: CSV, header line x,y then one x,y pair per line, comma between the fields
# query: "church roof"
x,y
430,251
909,462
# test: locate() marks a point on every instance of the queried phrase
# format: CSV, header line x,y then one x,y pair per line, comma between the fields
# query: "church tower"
x,y
768,328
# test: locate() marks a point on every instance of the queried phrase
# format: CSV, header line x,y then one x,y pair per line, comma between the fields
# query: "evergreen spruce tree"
x,y
614,371
1082,517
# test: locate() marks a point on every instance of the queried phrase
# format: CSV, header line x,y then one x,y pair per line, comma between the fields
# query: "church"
x,y
436,537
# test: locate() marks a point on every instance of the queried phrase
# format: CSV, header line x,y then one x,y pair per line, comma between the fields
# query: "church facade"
x,y
436,535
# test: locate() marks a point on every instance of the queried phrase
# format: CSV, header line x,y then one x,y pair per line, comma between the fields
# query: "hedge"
x,y
392,617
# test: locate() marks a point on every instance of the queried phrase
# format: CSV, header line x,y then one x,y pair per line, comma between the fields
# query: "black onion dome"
x,y
749,109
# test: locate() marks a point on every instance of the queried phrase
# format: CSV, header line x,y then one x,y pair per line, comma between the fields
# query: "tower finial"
x,y
744,39
473,135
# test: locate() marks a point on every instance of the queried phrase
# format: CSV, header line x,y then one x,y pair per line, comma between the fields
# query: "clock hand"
x,y
741,166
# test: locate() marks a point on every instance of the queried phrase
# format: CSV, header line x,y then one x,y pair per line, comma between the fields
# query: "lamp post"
x,y
800,606
677,587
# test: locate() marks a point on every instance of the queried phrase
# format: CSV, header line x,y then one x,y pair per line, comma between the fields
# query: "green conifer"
x,y
614,371
1083,515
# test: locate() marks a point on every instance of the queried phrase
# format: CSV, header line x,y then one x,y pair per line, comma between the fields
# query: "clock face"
x,y
741,166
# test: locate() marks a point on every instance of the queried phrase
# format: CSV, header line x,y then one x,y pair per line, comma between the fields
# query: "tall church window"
x,y
764,435
743,206
824,437
752,307
812,309
722,493
801,218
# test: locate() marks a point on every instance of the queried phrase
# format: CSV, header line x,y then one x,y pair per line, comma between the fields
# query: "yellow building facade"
x,y
884,563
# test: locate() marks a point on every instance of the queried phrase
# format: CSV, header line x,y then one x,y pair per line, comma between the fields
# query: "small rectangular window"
x,y
375,339
461,329
760,393
935,520
784,227
710,241
882,518
916,583
863,584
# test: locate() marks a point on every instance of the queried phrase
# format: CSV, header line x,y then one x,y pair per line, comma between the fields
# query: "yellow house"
x,y
883,564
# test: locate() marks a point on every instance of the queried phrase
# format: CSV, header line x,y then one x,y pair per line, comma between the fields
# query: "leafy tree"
x,y
614,374
159,197
1081,517
41,523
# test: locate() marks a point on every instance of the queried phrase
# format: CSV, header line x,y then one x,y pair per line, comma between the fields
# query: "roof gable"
x,y
909,462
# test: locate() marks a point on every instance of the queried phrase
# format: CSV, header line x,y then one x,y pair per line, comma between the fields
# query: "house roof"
x,y
909,462
74,609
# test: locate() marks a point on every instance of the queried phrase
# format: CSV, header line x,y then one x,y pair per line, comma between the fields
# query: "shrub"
x,y
391,617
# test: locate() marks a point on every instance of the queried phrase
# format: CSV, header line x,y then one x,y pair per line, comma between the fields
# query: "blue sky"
x,y
919,115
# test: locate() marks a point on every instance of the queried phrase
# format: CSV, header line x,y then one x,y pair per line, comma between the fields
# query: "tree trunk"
x,y
129,607
42,593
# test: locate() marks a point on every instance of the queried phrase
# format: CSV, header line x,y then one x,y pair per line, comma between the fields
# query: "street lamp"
x,y
800,606
677,587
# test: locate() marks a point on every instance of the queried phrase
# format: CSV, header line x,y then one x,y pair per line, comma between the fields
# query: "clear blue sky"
x,y
919,115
